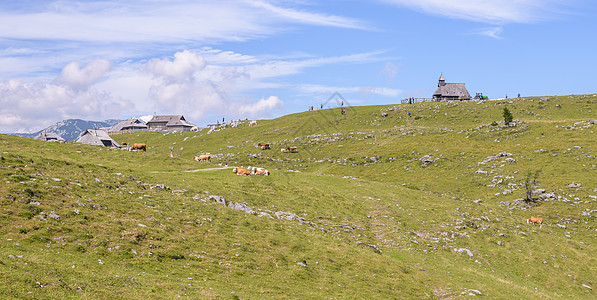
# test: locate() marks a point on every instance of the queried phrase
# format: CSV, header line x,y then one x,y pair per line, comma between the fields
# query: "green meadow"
x,y
431,205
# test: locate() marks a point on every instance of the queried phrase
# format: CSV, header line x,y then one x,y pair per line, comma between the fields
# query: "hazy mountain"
x,y
71,128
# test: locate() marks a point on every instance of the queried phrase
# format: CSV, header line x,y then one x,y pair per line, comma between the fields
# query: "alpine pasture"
x,y
431,205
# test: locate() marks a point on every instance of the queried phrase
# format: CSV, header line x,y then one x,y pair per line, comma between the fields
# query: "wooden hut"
x,y
97,137
49,136
169,123
128,126
450,91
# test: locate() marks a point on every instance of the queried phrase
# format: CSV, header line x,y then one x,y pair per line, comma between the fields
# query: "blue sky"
x,y
210,59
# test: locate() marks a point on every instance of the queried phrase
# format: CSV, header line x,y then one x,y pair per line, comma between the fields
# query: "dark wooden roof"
x,y
452,90
170,120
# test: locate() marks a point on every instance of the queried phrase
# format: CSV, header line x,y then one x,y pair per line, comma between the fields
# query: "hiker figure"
x,y
409,114
321,106
342,103
342,111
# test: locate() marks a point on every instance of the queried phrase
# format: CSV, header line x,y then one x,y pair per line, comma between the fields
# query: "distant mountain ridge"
x,y
70,129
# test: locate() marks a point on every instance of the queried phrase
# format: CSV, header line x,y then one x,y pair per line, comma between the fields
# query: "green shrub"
x,y
507,116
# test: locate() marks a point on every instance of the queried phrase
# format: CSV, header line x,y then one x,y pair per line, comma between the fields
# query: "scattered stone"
x,y
384,114
159,186
584,285
562,226
218,199
289,216
77,211
574,185
426,160
510,160
377,250
481,172
264,214
241,207
54,216
467,251
97,180
301,263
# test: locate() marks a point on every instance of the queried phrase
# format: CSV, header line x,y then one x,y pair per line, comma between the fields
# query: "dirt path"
x,y
208,169
193,171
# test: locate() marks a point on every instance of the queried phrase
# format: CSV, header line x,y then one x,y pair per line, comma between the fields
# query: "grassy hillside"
x,y
426,206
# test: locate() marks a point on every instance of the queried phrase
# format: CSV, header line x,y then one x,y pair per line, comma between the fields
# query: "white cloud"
x,y
80,78
181,68
492,32
157,21
28,107
198,84
362,91
389,71
488,11
308,17
261,107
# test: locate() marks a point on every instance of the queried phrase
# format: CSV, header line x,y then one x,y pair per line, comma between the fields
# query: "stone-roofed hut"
x,y
49,136
128,126
169,123
450,91
97,137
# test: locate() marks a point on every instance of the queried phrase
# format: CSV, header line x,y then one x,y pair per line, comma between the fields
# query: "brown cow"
x,y
138,146
241,171
535,220
290,149
202,157
258,171
264,146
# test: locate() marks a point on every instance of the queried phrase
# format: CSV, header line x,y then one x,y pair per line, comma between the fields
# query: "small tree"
x,y
507,116
530,184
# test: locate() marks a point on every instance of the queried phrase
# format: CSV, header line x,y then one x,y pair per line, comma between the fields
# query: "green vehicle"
x,y
479,96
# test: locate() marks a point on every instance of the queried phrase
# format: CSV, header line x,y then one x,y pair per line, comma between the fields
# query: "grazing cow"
x,y
258,171
290,149
138,146
263,146
252,123
535,220
241,171
202,157
261,171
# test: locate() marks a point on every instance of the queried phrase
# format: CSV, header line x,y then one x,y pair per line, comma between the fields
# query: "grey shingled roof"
x,y
134,123
452,90
96,137
171,120
49,136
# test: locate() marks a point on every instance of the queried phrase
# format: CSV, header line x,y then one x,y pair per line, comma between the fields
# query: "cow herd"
x,y
250,171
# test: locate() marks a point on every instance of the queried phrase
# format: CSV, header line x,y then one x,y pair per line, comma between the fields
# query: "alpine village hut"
x,y
170,123
450,91
97,137
49,136
128,126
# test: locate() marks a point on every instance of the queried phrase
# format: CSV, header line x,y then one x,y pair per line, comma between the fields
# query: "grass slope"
x,y
370,207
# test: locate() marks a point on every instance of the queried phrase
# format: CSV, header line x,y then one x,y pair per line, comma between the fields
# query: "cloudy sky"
x,y
209,59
